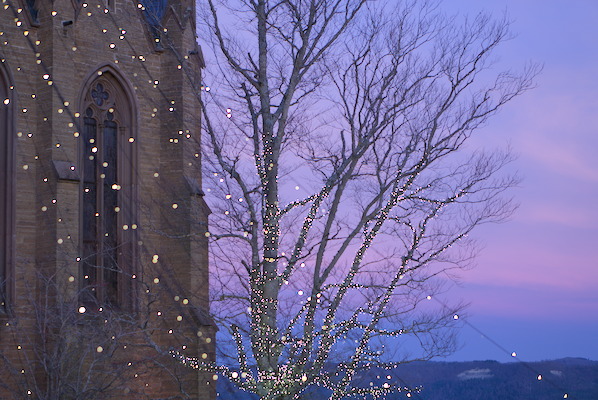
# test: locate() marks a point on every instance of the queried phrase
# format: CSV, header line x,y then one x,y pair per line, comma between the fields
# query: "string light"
x,y
285,376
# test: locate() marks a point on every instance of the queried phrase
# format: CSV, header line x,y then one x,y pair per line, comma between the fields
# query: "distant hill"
x,y
476,380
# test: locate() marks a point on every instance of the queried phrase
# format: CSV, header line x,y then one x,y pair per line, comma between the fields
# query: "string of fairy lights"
x,y
244,378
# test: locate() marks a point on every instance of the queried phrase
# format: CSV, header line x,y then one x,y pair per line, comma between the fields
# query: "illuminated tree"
x,y
342,188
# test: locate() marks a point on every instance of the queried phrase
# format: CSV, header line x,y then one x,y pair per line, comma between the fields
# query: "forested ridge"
x,y
475,380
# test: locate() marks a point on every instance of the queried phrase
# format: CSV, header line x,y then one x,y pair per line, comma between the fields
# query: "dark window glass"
x,y
154,11
4,191
100,206
109,214
90,231
33,10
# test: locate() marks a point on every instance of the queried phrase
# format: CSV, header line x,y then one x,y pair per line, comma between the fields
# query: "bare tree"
x,y
342,189
63,352
61,349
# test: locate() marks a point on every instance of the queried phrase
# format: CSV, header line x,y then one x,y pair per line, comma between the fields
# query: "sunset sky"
x,y
534,290
535,287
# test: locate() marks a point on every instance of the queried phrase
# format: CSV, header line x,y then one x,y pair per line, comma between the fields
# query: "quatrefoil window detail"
x,y
99,95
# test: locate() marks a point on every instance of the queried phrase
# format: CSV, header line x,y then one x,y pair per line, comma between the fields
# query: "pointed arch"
x,y
32,7
7,186
108,199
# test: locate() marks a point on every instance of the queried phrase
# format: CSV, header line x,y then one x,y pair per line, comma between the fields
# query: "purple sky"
x,y
535,287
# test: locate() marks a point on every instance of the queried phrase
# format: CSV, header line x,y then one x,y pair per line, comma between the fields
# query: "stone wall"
x,y
49,58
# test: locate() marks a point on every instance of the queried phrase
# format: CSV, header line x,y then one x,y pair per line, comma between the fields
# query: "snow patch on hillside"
x,y
476,373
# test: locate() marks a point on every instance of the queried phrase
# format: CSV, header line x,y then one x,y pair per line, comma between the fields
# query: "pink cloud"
x,y
558,214
537,303
524,254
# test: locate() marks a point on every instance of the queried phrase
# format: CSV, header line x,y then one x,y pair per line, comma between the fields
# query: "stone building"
x,y
103,249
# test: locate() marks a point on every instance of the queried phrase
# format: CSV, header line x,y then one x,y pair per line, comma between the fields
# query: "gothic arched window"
x,y
154,11
7,150
108,209
33,9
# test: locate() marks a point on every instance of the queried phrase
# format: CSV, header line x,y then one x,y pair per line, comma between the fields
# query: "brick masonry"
x,y
50,61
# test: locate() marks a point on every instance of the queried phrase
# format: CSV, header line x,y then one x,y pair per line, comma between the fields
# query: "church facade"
x,y
103,225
